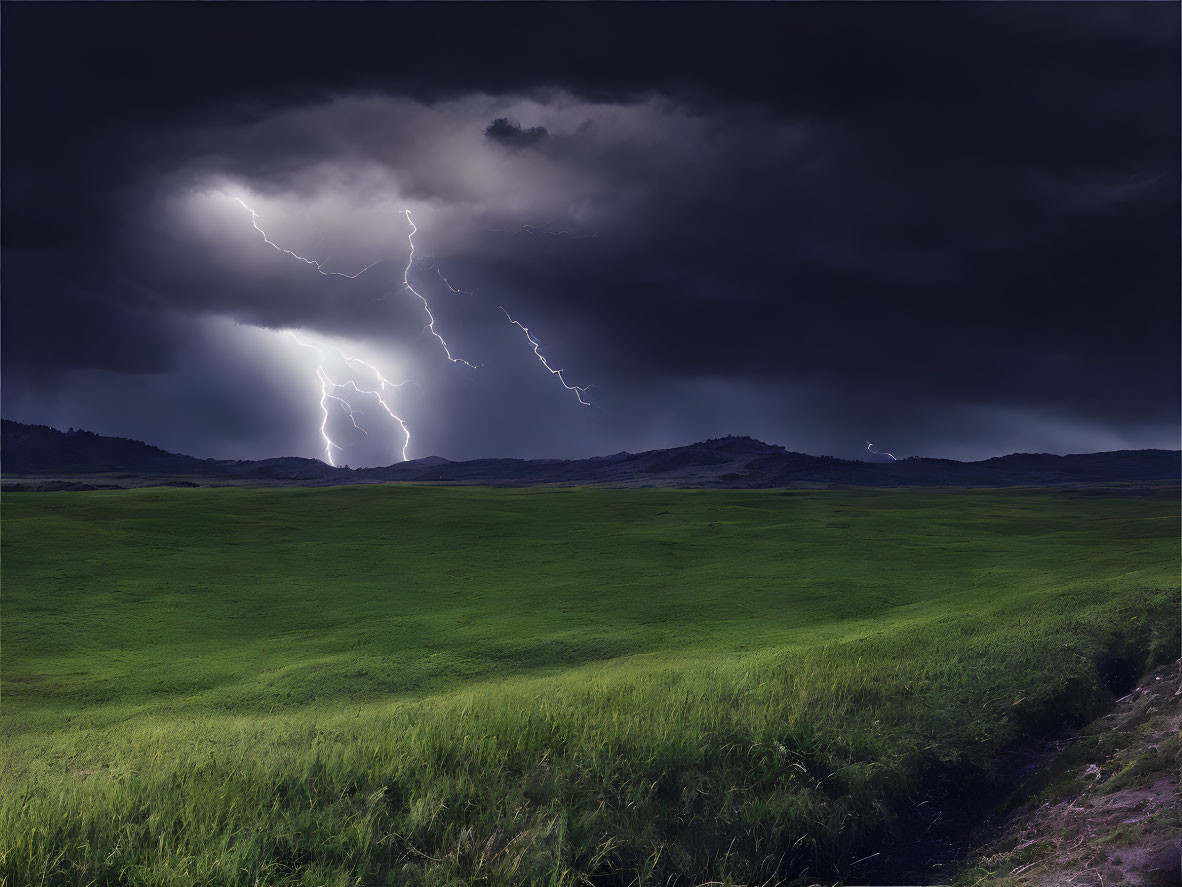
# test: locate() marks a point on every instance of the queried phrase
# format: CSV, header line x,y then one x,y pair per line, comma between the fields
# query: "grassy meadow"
x,y
394,685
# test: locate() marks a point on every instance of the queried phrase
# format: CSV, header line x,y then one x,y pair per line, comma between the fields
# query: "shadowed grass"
x,y
397,685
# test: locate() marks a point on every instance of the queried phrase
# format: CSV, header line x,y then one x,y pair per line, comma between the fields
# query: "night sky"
x,y
949,229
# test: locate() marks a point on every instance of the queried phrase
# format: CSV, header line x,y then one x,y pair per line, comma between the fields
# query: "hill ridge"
x,y
733,461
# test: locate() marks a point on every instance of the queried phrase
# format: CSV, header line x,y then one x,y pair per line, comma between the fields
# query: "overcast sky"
x,y
949,229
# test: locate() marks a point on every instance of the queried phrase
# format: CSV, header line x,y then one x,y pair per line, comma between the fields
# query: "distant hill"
x,y
41,451
80,459
38,449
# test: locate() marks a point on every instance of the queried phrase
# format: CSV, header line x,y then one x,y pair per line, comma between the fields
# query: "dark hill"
x,y
38,449
735,462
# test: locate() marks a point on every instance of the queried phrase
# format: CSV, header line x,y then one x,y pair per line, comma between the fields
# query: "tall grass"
x,y
761,729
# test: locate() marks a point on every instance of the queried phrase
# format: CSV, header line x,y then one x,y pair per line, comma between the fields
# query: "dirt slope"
x,y
1108,810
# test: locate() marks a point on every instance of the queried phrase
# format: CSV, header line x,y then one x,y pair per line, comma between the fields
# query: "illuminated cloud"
x,y
807,227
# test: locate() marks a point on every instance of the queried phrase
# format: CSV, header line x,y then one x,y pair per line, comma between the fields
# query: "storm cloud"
x,y
953,231
509,132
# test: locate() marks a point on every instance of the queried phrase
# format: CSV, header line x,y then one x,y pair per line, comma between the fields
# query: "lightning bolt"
x,y
871,448
325,395
577,389
447,283
254,221
434,266
319,266
410,238
328,386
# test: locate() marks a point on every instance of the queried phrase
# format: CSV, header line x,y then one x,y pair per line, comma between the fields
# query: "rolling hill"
x,y
38,457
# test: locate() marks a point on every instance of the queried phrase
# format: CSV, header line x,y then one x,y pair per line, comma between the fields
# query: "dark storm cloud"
x,y
509,132
895,218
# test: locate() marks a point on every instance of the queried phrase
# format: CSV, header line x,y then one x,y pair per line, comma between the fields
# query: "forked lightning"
x,y
577,389
328,386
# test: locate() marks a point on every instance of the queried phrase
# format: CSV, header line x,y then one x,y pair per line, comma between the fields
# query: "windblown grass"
x,y
397,685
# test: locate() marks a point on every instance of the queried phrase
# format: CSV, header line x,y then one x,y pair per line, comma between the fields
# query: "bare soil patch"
x,y
1107,810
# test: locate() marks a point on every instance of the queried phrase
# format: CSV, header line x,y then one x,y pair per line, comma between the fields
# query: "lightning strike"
x,y
352,383
447,283
328,444
383,383
434,266
876,452
254,221
410,238
326,383
579,390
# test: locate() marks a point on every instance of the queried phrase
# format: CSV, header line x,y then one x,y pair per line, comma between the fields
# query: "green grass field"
x,y
400,685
